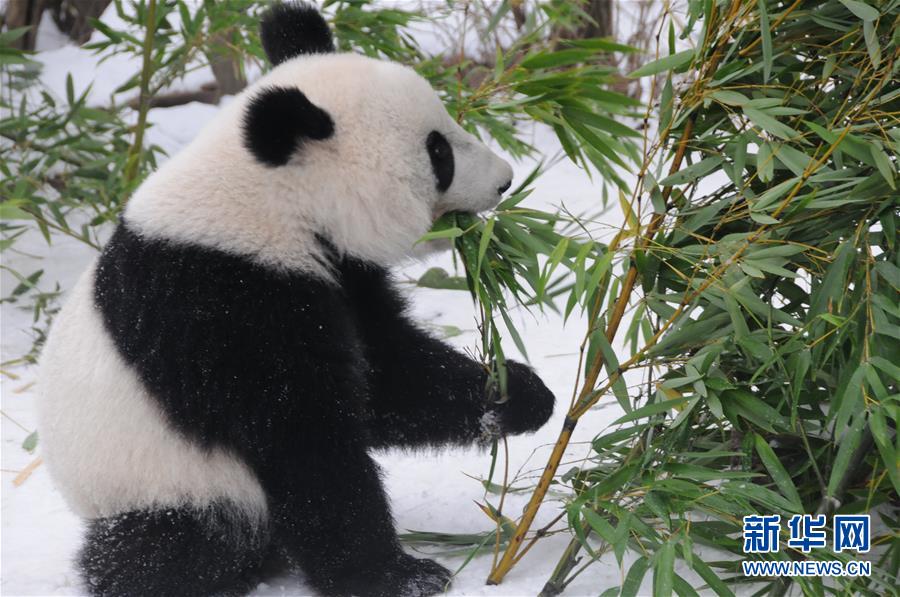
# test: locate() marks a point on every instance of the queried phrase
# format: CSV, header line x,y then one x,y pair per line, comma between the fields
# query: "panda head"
x,y
365,147
337,145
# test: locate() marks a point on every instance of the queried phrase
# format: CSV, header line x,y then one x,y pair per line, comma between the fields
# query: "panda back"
x,y
105,441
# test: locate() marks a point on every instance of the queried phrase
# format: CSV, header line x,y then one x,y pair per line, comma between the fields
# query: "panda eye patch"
x,y
441,154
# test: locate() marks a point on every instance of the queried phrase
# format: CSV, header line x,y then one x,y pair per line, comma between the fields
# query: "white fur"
x,y
370,186
105,441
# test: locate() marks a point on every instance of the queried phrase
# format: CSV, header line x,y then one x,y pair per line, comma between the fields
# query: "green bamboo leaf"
x,y
886,447
861,9
651,410
598,141
603,442
833,283
600,525
666,104
701,473
766,36
774,250
849,401
751,408
635,576
761,218
7,37
602,43
796,161
769,124
9,210
664,570
486,236
730,98
599,121
437,277
739,159
598,342
773,195
886,168
872,45
847,445
885,365
712,579
777,471
692,172
452,232
849,143
683,588
673,62
765,164
554,59
30,442
758,494
70,89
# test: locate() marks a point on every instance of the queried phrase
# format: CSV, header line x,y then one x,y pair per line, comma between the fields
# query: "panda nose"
x,y
503,188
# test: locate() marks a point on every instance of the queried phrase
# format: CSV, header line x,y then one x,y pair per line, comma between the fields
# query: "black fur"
x,y
279,120
423,392
442,163
300,378
294,28
177,551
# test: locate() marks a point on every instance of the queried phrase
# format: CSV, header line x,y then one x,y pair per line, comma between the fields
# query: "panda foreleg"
x,y
425,393
330,516
174,551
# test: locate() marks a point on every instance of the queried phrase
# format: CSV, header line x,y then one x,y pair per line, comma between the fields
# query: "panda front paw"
x,y
530,403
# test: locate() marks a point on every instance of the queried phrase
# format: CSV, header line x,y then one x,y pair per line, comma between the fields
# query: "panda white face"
x,y
358,150
394,160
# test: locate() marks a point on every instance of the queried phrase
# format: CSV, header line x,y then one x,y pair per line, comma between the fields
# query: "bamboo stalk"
x,y
557,583
26,472
134,153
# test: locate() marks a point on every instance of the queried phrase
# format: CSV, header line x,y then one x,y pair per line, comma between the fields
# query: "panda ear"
x,y
279,121
294,28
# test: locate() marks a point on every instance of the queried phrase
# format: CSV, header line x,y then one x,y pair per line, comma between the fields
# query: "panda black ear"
x,y
279,121
294,28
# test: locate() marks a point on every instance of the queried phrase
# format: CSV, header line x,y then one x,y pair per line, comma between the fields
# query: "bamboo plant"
x,y
757,273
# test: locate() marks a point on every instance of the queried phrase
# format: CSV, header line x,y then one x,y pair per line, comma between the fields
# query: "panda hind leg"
x,y
172,552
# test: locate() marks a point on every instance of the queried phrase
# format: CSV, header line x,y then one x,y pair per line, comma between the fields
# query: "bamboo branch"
x,y
134,154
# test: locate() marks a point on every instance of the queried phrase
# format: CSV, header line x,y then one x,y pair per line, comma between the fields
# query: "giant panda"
x,y
215,383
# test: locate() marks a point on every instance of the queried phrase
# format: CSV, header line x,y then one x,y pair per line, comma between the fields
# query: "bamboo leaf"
x,y
730,98
886,168
872,45
692,172
673,62
766,36
664,570
769,124
635,576
777,472
861,9
651,410
849,442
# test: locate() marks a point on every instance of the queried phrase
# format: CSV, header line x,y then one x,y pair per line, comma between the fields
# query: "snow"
x,y
429,491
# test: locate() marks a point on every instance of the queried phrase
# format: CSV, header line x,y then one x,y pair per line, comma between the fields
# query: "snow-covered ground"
x,y
429,491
